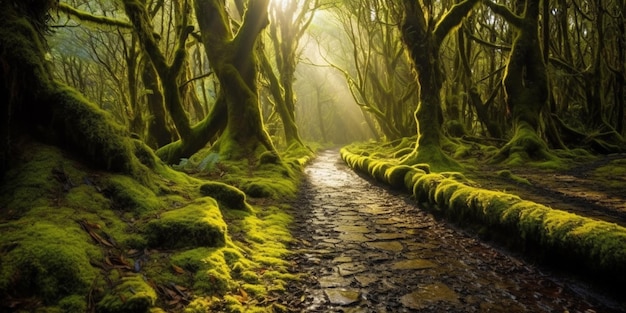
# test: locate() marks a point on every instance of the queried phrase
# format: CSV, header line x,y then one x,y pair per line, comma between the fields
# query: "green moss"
x,y
90,132
210,268
402,152
612,174
394,176
129,195
596,246
73,304
33,182
227,195
268,157
132,294
510,176
46,260
198,223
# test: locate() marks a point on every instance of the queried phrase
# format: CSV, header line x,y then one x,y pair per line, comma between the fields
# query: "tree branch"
x,y
452,19
506,13
88,17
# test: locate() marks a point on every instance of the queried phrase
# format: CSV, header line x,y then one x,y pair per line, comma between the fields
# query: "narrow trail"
x,y
363,248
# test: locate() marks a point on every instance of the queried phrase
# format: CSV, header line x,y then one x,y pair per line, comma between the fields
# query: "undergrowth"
x,y
74,239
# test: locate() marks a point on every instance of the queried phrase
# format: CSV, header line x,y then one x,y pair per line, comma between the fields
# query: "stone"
x,y
414,264
352,229
358,237
342,259
387,236
334,281
365,279
393,246
342,296
346,269
429,294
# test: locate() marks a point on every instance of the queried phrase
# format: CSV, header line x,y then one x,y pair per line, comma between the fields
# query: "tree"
x,y
378,71
288,24
525,83
232,57
32,103
423,37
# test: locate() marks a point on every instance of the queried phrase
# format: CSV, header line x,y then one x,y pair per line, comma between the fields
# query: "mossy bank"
x,y
75,239
583,245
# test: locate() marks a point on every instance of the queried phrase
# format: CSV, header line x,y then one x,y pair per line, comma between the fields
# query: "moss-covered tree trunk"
x,y
159,134
423,39
525,84
233,59
280,97
193,138
34,105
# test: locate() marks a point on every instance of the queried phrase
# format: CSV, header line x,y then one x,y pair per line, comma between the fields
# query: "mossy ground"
x,y
585,245
73,239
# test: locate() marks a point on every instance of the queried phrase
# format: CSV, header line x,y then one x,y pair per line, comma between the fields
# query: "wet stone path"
x,y
363,248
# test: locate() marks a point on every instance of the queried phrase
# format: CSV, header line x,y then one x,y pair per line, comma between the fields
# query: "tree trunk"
x,y
32,103
280,102
423,41
525,84
234,62
159,133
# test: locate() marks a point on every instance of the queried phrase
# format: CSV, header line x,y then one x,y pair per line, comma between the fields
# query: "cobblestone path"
x,y
363,248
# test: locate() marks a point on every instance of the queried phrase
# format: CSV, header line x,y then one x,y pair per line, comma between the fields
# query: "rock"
x,y
334,281
352,229
342,296
393,246
414,264
358,237
346,269
429,294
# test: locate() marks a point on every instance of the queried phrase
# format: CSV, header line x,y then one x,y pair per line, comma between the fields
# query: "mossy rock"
x,y
210,267
198,224
227,195
42,259
133,294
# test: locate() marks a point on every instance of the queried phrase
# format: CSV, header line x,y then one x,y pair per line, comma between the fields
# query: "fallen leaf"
x,y
178,269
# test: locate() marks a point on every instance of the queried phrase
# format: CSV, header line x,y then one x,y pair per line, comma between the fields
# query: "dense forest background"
x,y
341,71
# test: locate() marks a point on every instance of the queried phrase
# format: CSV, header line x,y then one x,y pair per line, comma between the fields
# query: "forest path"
x,y
363,248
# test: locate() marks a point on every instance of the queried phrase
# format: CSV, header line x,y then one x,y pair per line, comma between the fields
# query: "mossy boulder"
x,y
132,295
198,224
227,195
